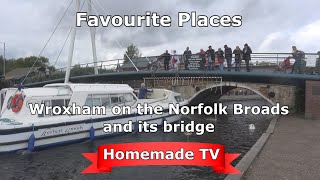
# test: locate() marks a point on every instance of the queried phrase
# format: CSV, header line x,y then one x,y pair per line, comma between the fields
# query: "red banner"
x,y
161,153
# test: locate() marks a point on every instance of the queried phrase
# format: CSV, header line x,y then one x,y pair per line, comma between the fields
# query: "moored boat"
x,y
22,129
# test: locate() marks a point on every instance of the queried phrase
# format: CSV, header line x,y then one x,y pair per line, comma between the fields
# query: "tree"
x,y
132,51
23,63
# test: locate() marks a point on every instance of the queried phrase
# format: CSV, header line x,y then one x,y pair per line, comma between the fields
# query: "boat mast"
x,y
93,40
71,47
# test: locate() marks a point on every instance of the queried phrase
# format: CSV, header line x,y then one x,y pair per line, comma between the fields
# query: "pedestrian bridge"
x,y
209,86
253,77
285,88
264,68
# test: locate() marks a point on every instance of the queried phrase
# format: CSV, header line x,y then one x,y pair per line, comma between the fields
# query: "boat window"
x,y
96,101
58,102
63,91
66,102
114,99
52,103
3,94
105,101
88,101
46,103
108,100
179,98
129,99
99,100
122,99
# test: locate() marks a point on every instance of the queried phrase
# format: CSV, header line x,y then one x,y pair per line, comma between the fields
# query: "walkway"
x,y
292,152
254,77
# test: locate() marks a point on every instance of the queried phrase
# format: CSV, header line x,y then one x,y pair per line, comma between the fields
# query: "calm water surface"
x,y
66,162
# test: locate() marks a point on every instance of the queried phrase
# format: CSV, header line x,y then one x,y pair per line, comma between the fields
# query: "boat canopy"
x,y
106,88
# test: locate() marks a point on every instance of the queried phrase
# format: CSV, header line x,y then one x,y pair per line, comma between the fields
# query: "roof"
x,y
107,88
141,62
61,89
19,73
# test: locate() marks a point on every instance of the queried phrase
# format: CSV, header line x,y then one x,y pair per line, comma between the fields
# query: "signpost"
x,y
194,62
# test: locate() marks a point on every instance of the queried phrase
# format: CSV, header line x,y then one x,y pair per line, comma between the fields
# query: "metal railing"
x,y
265,62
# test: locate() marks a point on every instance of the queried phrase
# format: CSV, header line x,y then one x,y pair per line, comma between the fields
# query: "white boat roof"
x,y
108,88
59,89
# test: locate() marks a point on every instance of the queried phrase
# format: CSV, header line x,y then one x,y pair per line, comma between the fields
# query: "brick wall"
x,y
312,105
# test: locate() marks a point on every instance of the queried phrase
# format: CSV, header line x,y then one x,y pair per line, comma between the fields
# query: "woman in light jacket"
x,y
175,60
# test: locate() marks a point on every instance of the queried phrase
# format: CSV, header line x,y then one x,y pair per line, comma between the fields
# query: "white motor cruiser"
x,y
21,129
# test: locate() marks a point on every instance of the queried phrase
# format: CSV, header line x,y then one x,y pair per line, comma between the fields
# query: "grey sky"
x,y
267,26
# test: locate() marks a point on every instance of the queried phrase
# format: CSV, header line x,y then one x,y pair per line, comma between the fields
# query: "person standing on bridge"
x,y
202,63
220,57
211,57
187,55
298,56
237,58
228,55
175,60
166,59
247,56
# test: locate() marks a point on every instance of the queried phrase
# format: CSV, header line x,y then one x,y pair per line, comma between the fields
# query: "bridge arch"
x,y
212,93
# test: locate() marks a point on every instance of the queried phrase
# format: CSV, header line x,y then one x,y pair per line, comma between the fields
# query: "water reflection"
x,y
66,162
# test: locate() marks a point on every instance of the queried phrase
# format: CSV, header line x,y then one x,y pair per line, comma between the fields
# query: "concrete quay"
x,y
292,151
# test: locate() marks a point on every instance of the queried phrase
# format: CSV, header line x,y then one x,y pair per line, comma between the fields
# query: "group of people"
x,y
210,57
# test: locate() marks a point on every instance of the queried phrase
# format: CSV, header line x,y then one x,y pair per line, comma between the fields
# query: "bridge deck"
x,y
254,77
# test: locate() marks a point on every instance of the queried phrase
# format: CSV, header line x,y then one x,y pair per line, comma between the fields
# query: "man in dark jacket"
x,y
220,57
187,55
247,56
237,58
143,91
166,56
202,55
211,58
228,56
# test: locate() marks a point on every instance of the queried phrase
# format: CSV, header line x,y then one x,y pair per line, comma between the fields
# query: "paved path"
x,y
292,152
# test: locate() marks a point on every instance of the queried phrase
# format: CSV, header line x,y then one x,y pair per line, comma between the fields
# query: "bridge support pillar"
x,y
312,100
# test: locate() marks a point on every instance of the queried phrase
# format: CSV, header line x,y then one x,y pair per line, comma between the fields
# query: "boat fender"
x,y
17,103
91,133
163,120
31,143
136,125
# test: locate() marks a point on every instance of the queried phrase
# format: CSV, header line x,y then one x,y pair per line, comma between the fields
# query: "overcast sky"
x,y
267,26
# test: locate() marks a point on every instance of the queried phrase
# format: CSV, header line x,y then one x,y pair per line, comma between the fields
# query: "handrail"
x,y
116,65
181,55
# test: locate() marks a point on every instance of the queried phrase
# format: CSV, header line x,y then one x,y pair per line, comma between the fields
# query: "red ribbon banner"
x,y
161,153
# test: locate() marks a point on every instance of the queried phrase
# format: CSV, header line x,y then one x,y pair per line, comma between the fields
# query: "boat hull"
x,y
66,133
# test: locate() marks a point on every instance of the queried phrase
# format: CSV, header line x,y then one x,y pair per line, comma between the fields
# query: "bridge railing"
x,y
263,62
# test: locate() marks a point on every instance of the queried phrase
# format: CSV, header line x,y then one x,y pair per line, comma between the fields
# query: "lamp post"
x,y
4,58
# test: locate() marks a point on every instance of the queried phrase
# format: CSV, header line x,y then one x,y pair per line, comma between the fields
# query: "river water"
x,y
66,162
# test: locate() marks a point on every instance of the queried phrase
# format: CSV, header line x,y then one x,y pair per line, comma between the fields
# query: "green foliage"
x,y
77,70
132,51
22,63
